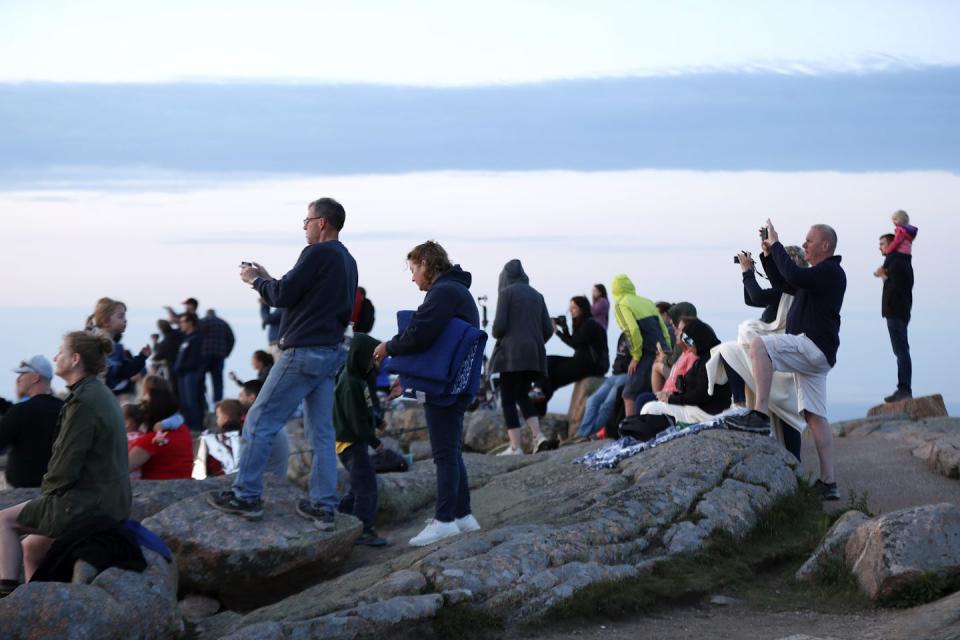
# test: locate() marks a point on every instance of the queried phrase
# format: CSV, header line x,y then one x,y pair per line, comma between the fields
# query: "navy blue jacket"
x,y
190,356
270,320
449,297
121,366
755,296
818,295
316,296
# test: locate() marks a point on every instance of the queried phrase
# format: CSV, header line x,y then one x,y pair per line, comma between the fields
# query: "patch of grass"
x,y
467,623
857,502
760,567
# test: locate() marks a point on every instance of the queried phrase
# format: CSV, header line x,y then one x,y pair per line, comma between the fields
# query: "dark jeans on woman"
x,y
738,387
644,398
514,390
445,425
361,500
901,348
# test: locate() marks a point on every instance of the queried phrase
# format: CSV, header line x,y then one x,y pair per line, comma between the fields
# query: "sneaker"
x,y
228,502
434,532
322,517
899,394
510,451
754,422
369,538
826,491
467,523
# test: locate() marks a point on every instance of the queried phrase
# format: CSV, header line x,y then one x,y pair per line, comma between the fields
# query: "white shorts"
x,y
801,357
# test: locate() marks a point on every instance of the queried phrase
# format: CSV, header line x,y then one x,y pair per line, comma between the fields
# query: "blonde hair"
x,y
105,308
900,217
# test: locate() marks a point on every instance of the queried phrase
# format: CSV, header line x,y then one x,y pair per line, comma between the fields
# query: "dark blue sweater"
x,y
818,295
316,296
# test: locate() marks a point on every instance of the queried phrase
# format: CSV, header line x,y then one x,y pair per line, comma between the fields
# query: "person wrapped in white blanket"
x,y
730,361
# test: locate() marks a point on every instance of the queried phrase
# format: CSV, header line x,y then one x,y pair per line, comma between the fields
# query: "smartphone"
x,y
764,233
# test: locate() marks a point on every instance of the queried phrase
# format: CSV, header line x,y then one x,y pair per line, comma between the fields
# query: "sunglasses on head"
x,y
687,339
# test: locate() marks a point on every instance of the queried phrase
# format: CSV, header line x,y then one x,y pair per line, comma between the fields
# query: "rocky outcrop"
x,y
483,430
938,620
832,547
915,408
120,605
550,529
153,496
891,552
246,564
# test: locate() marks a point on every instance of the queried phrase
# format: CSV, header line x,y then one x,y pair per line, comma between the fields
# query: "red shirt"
x,y
170,461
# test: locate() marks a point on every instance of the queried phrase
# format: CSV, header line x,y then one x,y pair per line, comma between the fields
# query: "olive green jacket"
x,y
88,474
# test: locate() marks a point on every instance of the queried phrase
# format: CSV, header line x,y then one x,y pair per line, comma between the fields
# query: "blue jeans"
x,y
307,374
600,405
361,500
445,425
901,348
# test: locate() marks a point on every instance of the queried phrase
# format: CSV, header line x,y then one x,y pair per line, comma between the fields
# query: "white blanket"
x,y
783,391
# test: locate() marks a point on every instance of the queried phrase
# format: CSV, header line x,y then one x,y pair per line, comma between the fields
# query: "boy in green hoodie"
x,y
639,318
355,419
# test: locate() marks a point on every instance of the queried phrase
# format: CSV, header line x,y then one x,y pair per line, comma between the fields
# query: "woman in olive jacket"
x,y
87,477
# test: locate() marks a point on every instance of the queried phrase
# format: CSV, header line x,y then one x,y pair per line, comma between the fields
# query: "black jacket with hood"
x,y
522,324
693,385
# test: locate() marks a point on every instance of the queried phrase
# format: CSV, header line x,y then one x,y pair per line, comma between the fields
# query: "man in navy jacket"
x,y
317,297
809,347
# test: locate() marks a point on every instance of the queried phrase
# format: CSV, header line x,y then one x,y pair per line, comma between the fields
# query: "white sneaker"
x,y
510,451
467,523
433,532
541,440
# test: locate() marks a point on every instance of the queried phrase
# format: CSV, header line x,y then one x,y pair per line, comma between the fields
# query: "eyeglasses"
x,y
307,220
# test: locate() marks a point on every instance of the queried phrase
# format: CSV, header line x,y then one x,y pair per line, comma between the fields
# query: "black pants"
x,y
514,387
361,500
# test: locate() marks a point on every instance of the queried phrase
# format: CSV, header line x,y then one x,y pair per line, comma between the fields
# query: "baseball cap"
x,y
37,364
192,301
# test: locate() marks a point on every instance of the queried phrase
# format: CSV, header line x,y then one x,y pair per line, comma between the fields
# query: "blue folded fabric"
x,y
452,364
148,539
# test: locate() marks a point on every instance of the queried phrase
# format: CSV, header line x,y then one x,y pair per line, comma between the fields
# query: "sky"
x,y
145,151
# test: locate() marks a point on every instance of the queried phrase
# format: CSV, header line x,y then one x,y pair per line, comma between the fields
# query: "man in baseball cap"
x,y
29,427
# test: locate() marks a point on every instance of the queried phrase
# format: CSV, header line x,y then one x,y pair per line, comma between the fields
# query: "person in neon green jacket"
x,y
639,319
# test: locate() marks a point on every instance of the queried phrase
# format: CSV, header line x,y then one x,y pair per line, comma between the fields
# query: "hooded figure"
x,y
522,324
638,318
355,414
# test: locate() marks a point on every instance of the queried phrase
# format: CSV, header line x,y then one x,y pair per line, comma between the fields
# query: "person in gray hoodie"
x,y
521,327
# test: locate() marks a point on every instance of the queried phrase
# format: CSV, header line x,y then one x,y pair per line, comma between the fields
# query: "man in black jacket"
x,y
809,347
29,427
897,275
317,297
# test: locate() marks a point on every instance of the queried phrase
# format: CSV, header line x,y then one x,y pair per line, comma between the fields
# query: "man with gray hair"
x,y
29,427
809,347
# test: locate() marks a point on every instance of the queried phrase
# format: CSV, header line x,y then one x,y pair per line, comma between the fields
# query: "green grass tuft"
x,y
922,589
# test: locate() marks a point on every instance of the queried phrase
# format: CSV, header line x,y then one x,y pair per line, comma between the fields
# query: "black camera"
x,y
561,320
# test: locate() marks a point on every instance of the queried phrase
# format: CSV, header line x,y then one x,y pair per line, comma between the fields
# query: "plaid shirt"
x,y
218,338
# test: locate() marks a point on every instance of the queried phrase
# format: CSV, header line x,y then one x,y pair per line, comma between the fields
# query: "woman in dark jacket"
x,y
691,402
448,296
521,327
590,354
87,478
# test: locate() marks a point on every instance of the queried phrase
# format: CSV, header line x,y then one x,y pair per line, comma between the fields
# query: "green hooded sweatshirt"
x,y
355,417
638,318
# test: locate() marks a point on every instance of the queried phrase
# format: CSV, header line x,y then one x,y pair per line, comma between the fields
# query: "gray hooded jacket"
x,y
521,325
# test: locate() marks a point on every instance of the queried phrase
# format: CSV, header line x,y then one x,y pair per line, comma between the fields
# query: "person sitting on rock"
x,y
221,447
590,355
355,419
165,454
684,396
87,476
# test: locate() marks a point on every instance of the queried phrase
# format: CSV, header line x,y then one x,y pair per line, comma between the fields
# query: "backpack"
x,y
645,427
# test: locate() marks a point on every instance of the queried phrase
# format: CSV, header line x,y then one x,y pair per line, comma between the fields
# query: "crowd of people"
x,y
670,367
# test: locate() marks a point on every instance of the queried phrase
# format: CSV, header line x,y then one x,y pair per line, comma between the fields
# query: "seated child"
x,y
903,236
355,419
219,450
